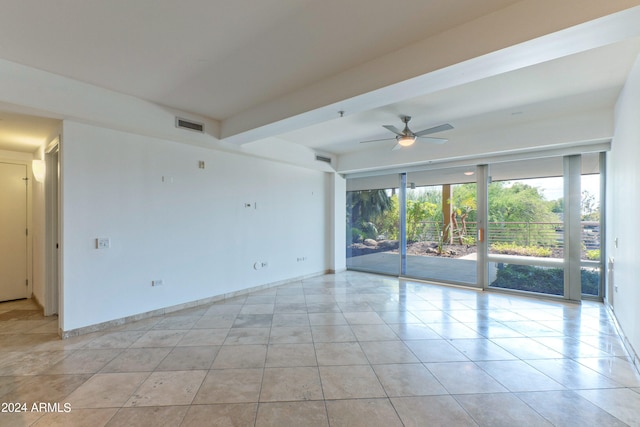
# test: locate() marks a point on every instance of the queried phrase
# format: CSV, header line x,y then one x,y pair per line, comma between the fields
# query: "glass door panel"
x,y
373,231
441,232
590,256
526,236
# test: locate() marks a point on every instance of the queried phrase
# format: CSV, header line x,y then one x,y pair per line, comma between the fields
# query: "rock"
x,y
370,242
431,251
388,244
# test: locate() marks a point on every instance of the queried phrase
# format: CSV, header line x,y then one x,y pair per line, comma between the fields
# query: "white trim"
x,y
597,145
527,260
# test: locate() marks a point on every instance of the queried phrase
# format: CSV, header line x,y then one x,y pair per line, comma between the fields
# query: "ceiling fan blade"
x,y
434,129
433,140
377,140
393,129
397,147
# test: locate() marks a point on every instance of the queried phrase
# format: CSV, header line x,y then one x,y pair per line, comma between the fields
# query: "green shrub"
x,y
544,280
469,240
593,255
514,249
590,282
529,278
356,235
369,230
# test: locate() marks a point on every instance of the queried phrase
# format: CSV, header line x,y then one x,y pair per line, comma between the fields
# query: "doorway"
x,y
13,231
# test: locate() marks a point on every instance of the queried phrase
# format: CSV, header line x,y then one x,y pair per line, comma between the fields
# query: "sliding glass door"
x,y
526,236
527,226
591,260
545,232
441,232
373,228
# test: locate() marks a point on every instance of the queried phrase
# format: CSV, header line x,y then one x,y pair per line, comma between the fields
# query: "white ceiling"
x,y
224,59
217,58
581,82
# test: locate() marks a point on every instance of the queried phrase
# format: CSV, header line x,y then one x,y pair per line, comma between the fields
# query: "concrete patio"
x,y
439,269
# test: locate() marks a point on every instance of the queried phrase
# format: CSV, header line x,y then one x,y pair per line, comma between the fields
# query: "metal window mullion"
x,y
402,202
482,228
603,228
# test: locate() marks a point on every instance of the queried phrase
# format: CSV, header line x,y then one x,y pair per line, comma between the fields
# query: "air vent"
x,y
323,159
188,124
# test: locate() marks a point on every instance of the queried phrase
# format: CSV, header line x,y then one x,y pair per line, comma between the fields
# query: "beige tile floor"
x,y
350,349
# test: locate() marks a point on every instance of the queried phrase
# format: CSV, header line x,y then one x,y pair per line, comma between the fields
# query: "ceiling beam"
x,y
525,34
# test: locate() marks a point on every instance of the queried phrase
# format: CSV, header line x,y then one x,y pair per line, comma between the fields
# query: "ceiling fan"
x,y
406,137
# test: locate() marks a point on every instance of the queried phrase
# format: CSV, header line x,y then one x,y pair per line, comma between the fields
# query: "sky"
x,y
552,187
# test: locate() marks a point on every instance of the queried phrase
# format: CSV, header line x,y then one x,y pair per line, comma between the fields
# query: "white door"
x,y
13,231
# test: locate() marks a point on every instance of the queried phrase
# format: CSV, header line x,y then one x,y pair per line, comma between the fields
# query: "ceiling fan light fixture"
x,y
406,140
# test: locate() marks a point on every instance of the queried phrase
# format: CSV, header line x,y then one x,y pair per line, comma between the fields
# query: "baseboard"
x,y
35,299
625,341
171,309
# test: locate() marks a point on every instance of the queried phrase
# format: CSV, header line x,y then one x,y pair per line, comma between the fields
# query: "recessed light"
x,y
469,173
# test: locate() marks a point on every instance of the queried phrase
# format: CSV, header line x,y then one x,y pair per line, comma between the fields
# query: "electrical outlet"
x,y
157,283
103,243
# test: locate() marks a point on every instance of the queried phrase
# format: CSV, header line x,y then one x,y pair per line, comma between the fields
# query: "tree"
x,y
366,205
389,223
419,213
557,206
512,207
363,208
518,203
464,199
523,204
423,211
589,208
464,207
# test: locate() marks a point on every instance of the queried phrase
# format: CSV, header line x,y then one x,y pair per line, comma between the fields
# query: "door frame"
x,y
52,229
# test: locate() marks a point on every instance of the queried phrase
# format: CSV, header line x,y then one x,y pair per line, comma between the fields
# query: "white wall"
x,y
336,251
623,203
38,235
191,230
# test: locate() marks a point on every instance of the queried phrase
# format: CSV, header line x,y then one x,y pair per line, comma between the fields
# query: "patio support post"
x,y
446,214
